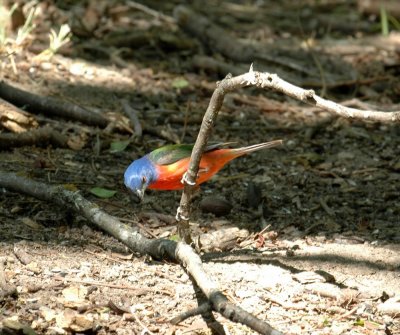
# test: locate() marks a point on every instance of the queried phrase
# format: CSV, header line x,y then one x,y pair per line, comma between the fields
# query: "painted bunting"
x,y
163,168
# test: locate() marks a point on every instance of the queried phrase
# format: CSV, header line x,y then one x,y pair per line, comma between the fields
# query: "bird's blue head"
x,y
139,175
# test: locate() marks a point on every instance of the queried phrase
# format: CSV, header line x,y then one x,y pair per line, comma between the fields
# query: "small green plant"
x,y
26,29
10,44
60,39
384,22
5,16
57,40
388,20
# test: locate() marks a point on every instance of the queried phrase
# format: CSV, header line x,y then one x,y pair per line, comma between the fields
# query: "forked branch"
x,y
266,81
159,248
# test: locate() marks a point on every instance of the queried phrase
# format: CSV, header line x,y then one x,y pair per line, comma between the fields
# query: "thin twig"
x,y
203,308
133,117
349,313
104,257
152,12
145,329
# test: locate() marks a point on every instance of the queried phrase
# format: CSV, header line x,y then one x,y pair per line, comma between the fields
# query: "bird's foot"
x,y
185,180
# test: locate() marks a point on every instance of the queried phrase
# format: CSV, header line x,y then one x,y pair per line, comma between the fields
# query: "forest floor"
x,y
326,202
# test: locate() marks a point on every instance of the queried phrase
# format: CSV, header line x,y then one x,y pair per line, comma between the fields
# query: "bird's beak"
x,y
140,193
137,195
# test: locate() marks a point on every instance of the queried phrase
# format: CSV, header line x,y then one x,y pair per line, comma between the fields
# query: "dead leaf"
x,y
31,223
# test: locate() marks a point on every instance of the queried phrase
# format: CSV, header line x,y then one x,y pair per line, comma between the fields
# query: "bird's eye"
x,y
144,179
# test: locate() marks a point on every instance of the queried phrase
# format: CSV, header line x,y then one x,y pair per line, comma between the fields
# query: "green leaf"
x,y
180,83
102,192
119,146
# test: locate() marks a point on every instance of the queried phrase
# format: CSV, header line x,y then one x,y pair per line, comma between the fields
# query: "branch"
x,y
15,119
40,136
189,179
133,117
152,12
160,248
272,81
49,105
267,81
292,64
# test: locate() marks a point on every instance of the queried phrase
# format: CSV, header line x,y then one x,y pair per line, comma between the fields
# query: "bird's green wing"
x,y
170,154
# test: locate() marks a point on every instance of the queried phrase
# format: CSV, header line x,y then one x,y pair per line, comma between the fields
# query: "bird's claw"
x,y
185,180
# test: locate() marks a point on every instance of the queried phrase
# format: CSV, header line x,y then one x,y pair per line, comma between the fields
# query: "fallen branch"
x,y
133,117
160,248
289,62
266,81
15,119
51,106
41,136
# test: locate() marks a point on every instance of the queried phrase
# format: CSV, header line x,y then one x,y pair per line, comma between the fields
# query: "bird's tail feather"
x,y
245,150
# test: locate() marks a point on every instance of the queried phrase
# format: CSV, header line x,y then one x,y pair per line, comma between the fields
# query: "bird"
x,y
163,168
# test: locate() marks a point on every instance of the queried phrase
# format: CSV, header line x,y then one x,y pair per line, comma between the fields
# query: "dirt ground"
x,y
326,202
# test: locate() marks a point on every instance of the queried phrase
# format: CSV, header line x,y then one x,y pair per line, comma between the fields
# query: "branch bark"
x,y
51,106
263,80
160,248
15,119
41,136
225,86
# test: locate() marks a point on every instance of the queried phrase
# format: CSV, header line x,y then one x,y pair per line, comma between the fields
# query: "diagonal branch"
x,y
227,85
160,248
266,81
